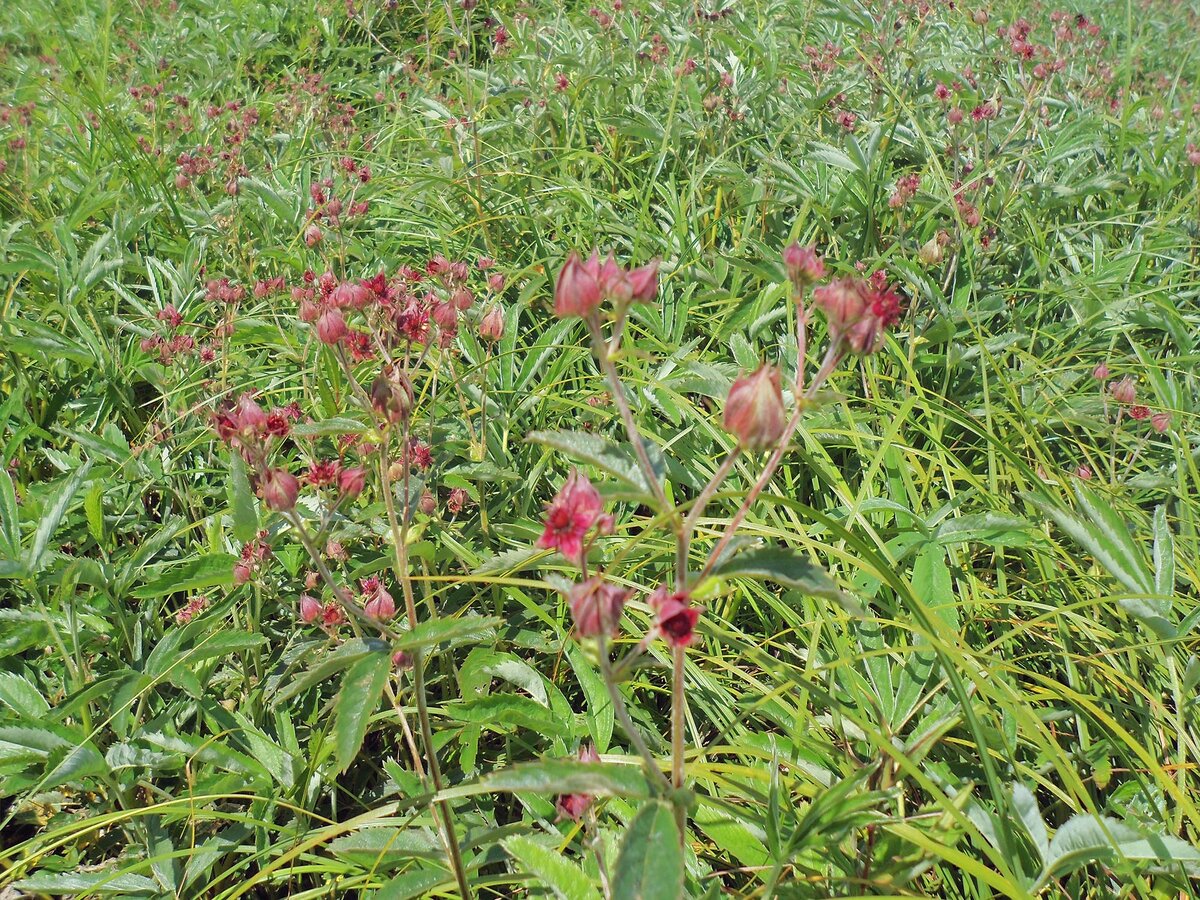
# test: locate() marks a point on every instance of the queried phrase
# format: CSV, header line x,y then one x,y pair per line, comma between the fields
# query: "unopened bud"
x,y
754,412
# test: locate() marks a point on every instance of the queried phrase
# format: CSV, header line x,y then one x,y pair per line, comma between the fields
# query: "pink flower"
x,y
1160,422
312,235
577,291
754,412
596,607
1100,372
614,281
1139,413
1083,472
569,517
378,603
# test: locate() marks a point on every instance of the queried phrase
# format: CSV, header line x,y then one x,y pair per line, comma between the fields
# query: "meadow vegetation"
x,y
642,450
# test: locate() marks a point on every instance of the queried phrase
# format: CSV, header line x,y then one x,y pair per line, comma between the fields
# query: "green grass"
x,y
1017,647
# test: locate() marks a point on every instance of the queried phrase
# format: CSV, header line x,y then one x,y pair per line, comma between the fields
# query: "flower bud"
x,y
1100,372
310,609
392,399
1123,391
241,573
280,489
349,295
462,299
491,326
931,252
577,291
446,315
754,412
428,503
844,302
644,282
312,235
351,481
803,264
1160,422
614,281
380,606
331,326
596,607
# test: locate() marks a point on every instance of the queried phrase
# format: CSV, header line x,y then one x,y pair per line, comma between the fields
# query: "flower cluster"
x,y
584,284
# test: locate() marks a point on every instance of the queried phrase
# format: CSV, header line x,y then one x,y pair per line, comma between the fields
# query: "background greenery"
x,y
1023,652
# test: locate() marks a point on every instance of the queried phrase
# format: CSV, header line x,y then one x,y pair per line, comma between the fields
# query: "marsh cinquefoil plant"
x,y
858,313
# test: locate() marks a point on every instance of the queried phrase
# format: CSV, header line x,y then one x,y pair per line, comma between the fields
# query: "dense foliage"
x,y
363,534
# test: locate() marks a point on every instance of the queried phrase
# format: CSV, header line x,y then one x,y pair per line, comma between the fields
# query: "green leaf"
x,y
87,882
1026,807
932,585
1107,540
600,713
10,524
1085,838
601,453
333,661
509,710
241,501
52,516
564,878
356,702
1164,555
650,865
783,566
93,508
559,776
214,570
19,695
439,631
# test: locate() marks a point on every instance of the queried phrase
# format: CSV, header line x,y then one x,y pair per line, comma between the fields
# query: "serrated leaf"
x,y
559,776
440,631
601,453
52,517
57,883
358,699
650,865
241,501
565,879
600,714
783,566
511,711
19,695
214,570
333,661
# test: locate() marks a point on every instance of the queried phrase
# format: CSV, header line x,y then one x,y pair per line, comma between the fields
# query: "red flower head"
x,y
569,517
577,291
331,326
1123,391
596,607
676,620
573,806
377,602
